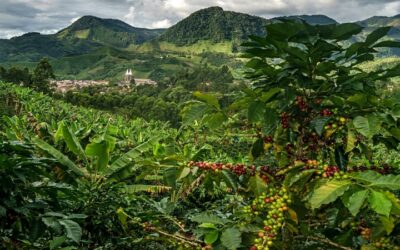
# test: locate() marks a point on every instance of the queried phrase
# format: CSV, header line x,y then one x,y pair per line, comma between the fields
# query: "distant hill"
x,y
315,19
93,47
216,25
381,21
83,36
34,46
107,31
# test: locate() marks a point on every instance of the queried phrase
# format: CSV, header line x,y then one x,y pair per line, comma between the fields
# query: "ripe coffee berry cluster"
x,y
271,206
301,103
330,171
285,120
326,112
385,169
237,169
268,139
267,173
207,165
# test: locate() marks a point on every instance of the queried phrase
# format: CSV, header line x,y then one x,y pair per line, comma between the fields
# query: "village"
x,y
63,86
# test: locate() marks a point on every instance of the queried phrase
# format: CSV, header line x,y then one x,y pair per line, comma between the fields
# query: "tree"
x,y
16,75
3,73
41,75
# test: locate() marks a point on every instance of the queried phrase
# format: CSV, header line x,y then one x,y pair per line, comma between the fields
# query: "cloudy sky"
x,y
48,16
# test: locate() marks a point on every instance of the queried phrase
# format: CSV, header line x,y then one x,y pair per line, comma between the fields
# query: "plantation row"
x,y
304,158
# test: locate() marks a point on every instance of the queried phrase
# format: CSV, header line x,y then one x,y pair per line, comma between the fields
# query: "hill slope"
x,y
34,46
83,36
381,21
216,25
315,19
107,31
103,48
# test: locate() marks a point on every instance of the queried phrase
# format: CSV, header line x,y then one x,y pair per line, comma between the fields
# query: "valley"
x,y
101,49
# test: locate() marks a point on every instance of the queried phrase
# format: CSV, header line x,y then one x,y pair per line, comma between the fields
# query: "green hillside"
x,y
84,36
216,25
107,31
95,48
315,19
34,46
381,21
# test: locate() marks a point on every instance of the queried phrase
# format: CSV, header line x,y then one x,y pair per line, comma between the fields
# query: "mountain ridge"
x,y
86,46
214,24
112,32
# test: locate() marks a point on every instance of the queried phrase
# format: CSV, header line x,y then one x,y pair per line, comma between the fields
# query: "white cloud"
x,y
50,31
10,33
74,19
161,24
176,4
179,7
130,17
390,9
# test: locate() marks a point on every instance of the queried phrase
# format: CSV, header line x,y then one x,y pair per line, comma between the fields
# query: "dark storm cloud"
x,y
47,16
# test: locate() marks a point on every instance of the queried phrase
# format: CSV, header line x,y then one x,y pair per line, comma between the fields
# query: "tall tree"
x,y
41,75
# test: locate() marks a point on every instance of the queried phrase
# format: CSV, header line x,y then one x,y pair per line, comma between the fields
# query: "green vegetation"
x,y
162,102
306,157
216,25
315,19
107,31
102,49
39,80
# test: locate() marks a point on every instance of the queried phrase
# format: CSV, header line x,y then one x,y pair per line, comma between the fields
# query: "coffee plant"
x,y
296,161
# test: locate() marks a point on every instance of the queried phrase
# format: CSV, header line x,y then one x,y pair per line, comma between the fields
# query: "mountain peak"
x,y
107,31
216,25
315,19
89,22
318,19
210,9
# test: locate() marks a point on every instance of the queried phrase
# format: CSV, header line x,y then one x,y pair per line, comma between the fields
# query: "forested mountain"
x,y
107,31
84,36
31,47
216,25
381,21
99,48
315,19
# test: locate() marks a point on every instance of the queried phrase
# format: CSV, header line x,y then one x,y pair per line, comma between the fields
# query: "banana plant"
x,y
94,162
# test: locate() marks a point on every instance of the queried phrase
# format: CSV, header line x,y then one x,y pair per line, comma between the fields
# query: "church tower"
x,y
128,76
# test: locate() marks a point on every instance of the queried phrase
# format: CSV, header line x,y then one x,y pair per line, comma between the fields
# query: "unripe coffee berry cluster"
x,y
237,169
324,170
271,206
384,243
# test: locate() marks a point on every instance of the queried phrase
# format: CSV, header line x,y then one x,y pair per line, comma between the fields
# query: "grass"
x,y
82,34
380,63
197,48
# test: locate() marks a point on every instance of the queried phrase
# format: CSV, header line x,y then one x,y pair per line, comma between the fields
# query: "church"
x,y
129,78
